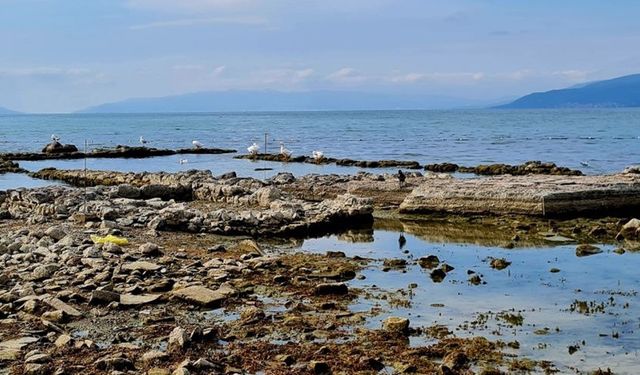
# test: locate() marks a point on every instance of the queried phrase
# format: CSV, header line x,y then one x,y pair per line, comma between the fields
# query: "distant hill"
x,y
240,101
4,111
617,92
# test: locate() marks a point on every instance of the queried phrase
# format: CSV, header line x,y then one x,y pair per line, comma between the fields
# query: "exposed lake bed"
x,y
219,274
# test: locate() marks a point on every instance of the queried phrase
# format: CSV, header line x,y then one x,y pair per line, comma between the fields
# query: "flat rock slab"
x,y
138,299
535,195
17,344
59,305
141,266
204,296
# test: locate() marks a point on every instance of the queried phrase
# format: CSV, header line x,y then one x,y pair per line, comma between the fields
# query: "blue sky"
x,y
64,55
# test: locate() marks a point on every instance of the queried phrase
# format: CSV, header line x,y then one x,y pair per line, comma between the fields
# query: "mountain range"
x,y
618,92
4,111
269,100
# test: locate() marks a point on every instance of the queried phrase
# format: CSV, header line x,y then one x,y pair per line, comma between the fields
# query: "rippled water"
x,y
599,140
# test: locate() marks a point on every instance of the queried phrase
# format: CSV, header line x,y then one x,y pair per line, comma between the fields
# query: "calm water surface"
x,y
596,141
525,288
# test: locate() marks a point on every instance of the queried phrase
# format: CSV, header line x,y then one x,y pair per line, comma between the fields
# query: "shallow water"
x,y
20,180
525,288
596,141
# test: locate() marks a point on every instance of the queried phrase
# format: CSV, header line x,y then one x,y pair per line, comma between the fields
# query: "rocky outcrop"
x,y
83,178
530,167
58,151
552,196
341,162
229,207
56,147
8,166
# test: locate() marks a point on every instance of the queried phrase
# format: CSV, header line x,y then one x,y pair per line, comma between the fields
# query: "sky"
x,y
65,55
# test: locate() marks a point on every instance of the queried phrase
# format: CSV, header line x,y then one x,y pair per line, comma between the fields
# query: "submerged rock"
x,y
586,250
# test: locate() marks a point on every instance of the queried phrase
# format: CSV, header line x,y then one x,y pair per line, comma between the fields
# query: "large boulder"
x,y
56,147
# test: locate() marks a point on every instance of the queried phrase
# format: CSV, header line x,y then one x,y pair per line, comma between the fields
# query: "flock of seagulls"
x,y
254,149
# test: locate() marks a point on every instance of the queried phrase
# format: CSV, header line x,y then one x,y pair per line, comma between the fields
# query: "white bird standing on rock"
x,y
197,144
142,140
284,152
253,149
317,155
55,138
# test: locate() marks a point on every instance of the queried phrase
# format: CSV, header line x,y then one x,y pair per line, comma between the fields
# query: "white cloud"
x,y
209,21
346,75
45,72
463,77
217,71
285,76
188,67
575,76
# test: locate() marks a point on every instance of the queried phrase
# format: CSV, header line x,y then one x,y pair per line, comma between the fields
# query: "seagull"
x,y
284,152
585,164
253,149
184,161
142,140
317,155
197,144
55,138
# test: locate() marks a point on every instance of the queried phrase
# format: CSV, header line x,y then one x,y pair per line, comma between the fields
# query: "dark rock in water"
x,y
395,263
429,262
438,275
499,263
8,166
56,147
586,249
446,268
530,167
442,167
331,288
475,280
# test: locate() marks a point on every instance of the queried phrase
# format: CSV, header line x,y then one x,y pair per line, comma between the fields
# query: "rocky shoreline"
x,y
70,153
188,245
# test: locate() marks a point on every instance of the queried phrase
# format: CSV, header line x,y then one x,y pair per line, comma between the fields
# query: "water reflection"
x,y
524,304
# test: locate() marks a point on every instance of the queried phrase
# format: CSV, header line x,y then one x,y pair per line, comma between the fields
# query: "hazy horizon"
x,y
67,55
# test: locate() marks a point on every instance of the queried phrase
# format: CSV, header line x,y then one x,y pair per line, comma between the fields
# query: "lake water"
x,y
593,140
552,321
